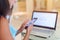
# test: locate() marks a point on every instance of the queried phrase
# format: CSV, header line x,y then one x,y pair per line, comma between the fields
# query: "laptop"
x,y
45,25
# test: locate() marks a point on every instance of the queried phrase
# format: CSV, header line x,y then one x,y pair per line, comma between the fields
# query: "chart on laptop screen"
x,y
45,19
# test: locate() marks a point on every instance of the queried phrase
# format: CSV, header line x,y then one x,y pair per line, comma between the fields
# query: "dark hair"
x,y
4,7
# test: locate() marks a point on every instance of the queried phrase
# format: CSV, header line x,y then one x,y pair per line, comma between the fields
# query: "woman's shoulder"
x,y
3,21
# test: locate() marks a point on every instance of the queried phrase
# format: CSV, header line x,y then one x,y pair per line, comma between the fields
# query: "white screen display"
x,y
45,19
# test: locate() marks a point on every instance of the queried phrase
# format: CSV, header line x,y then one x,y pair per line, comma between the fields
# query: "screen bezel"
x,y
45,26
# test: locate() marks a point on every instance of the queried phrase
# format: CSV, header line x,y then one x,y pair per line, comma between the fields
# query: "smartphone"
x,y
30,22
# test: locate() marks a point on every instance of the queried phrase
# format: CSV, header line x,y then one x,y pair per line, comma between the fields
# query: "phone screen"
x,y
31,22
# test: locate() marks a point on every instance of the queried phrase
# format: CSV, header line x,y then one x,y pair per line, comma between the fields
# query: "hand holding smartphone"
x,y
30,22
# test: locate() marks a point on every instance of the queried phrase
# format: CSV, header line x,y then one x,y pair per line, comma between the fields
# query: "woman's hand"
x,y
28,30
22,27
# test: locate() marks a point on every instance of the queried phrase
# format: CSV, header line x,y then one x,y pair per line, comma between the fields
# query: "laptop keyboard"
x,y
41,30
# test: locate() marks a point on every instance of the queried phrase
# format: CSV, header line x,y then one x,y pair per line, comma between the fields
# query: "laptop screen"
x,y
45,19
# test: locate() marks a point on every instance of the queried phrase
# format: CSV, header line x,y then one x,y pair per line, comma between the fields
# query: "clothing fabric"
x,y
13,31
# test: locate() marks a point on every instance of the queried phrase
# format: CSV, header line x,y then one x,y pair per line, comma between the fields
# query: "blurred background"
x,y
24,8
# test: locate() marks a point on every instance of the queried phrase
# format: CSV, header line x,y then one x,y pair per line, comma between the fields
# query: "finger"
x,y
26,20
23,25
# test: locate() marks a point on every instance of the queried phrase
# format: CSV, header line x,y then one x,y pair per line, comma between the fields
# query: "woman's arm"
x,y
22,27
26,37
4,30
28,30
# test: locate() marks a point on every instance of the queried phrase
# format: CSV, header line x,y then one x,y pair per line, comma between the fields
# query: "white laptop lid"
x,y
45,19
